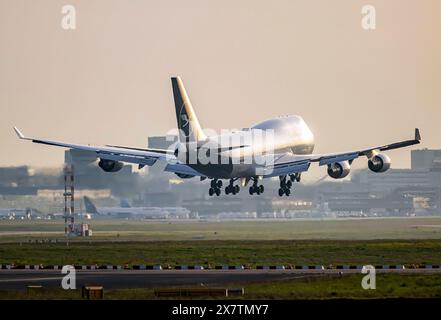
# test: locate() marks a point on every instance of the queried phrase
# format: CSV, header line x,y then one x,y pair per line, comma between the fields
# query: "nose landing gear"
x,y
295,177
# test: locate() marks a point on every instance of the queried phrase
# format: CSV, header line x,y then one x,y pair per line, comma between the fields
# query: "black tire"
x,y
237,188
211,191
292,177
217,192
289,184
213,183
281,192
287,192
227,190
219,184
234,191
251,191
261,188
298,177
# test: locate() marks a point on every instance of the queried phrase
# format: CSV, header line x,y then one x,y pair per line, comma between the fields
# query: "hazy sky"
x,y
108,81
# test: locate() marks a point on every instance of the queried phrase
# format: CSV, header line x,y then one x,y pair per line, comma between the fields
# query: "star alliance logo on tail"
x,y
184,121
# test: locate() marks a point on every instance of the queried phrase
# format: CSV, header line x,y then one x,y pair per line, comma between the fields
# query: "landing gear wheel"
x,y
211,191
289,184
219,184
292,177
217,192
237,188
234,191
261,188
281,192
251,190
227,190
298,177
287,192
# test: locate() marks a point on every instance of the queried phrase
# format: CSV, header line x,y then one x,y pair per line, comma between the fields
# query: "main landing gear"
x,y
231,188
286,183
256,189
215,187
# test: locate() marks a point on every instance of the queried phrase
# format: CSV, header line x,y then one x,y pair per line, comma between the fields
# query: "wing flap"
x,y
182,169
337,158
286,168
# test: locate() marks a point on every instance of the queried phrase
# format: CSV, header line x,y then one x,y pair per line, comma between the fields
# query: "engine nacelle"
x,y
184,176
339,170
110,165
181,152
186,152
379,163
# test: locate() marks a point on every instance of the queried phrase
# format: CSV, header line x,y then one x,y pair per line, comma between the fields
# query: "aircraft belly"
x,y
225,171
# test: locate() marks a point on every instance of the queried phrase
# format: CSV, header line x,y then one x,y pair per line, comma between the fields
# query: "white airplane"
x,y
286,152
128,211
16,213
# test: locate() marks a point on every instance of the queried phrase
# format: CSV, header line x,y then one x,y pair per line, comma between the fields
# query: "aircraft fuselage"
x,y
251,148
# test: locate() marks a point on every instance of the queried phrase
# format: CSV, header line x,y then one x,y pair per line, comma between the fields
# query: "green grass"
x,y
226,252
347,229
325,287
349,286
298,242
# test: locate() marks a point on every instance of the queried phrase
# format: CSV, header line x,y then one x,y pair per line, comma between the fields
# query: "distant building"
x,y
425,172
162,142
89,176
398,189
158,178
14,176
426,159
380,183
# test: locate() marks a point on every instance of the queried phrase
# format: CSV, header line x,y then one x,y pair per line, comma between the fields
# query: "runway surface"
x,y
119,279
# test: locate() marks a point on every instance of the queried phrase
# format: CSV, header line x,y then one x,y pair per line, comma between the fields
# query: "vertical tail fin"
x,y
188,123
90,207
124,203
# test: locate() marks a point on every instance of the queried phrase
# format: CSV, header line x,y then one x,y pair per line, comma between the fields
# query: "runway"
x,y
119,279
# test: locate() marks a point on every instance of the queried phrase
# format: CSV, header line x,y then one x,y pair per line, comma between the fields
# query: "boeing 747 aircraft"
x,y
279,147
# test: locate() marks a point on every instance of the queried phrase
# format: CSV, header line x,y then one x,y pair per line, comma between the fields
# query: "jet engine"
x,y
379,163
110,165
181,152
186,152
339,170
184,176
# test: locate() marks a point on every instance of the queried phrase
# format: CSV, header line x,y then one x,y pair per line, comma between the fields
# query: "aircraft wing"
x,y
141,157
285,164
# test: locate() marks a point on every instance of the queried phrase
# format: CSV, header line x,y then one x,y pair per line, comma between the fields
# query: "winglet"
x,y
19,134
417,134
